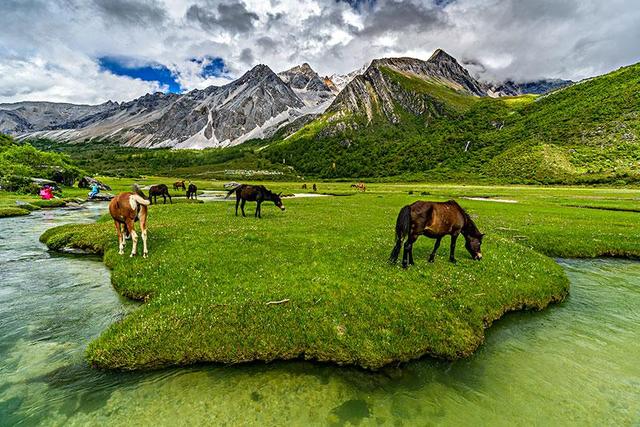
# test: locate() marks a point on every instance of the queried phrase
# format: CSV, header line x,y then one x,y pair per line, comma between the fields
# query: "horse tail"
x,y
230,192
403,227
139,196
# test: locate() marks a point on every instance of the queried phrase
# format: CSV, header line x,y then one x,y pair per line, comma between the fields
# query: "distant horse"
x,y
159,190
315,187
179,184
255,193
192,191
126,209
359,186
304,186
435,220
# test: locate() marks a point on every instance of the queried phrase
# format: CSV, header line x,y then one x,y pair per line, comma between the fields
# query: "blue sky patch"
x,y
148,72
211,66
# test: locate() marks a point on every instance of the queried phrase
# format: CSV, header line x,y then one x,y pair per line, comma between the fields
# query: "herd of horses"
x,y
431,219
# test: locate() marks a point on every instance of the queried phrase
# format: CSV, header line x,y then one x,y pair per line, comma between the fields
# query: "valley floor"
x,y
210,276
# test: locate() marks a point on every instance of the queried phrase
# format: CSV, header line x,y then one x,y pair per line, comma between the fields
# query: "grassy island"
x,y
313,282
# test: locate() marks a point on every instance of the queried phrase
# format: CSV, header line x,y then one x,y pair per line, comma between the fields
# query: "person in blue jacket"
x,y
95,189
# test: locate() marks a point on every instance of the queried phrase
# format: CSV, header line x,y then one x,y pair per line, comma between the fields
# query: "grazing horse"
x,y
359,186
192,191
126,209
315,187
435,220
304,186
255,193
179,184
159,190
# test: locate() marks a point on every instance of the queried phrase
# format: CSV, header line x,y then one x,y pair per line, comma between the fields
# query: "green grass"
x,y
210,275
6,212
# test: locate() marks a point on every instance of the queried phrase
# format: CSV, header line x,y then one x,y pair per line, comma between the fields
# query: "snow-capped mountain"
x,y
308,85
254,106
341,80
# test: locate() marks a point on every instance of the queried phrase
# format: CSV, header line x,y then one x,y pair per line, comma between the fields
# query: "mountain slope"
x,y
536,87
253,106
27,116
398,119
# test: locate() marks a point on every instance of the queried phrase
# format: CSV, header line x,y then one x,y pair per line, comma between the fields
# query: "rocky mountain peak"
x,y
441,56
260,71
308,85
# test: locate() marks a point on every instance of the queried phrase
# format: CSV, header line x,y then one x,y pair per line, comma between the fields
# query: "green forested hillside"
x,y
586,133
21,162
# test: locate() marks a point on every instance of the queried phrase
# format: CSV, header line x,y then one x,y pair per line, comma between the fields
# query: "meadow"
x,y
313,282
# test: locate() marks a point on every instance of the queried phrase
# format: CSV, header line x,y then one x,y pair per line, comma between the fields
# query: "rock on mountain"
x,y
309,87
376,92
536,87
21,117
253,106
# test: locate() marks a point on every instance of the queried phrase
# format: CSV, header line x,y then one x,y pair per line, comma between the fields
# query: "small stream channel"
x,y
575,363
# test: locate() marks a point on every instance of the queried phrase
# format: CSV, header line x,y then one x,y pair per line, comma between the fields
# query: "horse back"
x,y
436,219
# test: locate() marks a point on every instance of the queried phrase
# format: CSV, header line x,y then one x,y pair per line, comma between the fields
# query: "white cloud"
x,y
55,56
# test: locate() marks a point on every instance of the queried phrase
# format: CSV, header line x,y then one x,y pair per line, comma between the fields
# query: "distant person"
x,y
95,189
46,192
315,187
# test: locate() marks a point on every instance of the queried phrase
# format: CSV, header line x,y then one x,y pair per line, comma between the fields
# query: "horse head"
x,y
277,200
473,242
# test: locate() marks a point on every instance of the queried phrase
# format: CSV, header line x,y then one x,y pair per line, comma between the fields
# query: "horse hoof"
x,y
132,255
431,260
145,255
453,261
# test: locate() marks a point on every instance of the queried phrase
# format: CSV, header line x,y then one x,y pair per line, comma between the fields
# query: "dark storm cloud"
x,y
147,12
402,16
232,17
246,56
267,43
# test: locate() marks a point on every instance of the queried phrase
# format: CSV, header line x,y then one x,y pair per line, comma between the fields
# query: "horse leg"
x,y
408,249
432,257
242,207
164,199
143,231
237,203
120,237
169,195
452,250
411,252
134,236
257,214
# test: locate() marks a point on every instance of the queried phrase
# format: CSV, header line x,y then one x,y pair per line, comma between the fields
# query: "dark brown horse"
x,y
254,193
126,209
435,220
159,190
179,184
192,191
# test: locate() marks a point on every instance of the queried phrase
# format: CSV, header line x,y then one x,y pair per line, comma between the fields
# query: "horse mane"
x,y
470,227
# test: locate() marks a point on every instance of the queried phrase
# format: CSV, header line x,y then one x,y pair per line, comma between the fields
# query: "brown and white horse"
x,y
126,209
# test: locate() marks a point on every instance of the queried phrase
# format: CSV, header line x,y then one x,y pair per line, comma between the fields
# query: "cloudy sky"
x,y
91,51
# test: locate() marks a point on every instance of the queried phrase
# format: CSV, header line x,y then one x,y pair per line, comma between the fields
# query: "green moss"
x,y
6,212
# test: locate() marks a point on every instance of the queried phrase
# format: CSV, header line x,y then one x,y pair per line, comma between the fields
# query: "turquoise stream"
x,y
577,363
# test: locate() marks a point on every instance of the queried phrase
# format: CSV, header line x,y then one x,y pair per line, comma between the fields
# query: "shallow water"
x,y
575,363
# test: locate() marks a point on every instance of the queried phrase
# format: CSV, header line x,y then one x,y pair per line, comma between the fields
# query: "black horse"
x,y
192,192
159,190
254,193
